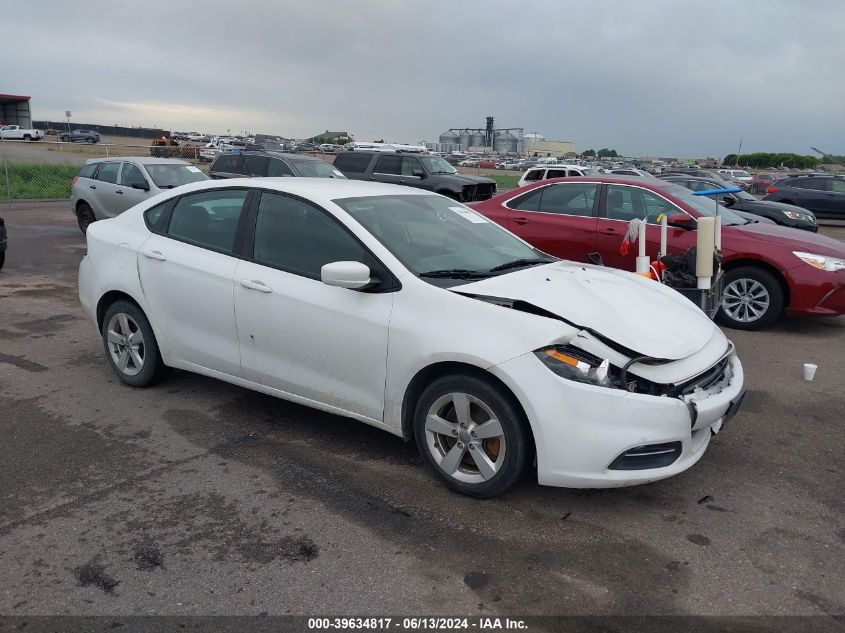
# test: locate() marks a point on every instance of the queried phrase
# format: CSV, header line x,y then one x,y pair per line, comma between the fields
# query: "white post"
x,y
717,235
664,224
643,262
704,252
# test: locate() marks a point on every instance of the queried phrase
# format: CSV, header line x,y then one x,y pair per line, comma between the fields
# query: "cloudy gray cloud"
x,y
656,77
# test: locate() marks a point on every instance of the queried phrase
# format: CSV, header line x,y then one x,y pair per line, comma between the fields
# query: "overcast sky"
x,y
647,77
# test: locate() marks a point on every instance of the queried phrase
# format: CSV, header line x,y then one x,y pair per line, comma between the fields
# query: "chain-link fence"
x,y
43,170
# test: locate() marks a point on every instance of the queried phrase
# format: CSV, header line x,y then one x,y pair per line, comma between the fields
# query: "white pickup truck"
x,y
16,132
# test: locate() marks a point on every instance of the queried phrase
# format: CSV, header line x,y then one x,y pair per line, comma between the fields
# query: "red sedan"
x,y
768,268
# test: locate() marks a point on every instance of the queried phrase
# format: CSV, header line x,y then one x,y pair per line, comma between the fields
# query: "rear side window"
x,y
108,172
569,199
534,174
556,173
228,163
527,202
356,162
208,219
836,185
152,217
88,170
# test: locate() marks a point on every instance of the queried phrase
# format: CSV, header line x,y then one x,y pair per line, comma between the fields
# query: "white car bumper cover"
x,y
580,429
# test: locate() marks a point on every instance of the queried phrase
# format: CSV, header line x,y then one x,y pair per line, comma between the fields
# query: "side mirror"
x,y
352,275
419,173
680,221
728,201
140,184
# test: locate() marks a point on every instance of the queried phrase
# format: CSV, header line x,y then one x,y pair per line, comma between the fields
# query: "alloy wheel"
x,y
746,300
126,344
465,438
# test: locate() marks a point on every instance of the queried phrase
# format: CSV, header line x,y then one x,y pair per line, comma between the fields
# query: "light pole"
x,y
68,113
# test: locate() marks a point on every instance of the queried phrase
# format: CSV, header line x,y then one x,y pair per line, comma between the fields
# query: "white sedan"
x,y
410,312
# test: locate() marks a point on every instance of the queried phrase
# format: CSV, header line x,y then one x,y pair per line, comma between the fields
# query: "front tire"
x,y
473,436
753,299
130,345
84,216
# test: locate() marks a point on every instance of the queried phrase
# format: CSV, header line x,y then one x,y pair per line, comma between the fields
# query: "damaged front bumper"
x,y
583,433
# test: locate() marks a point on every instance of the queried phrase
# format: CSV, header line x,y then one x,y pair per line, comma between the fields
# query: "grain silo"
x,y
505,143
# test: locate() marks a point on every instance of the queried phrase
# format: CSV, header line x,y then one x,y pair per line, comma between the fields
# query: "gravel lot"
x,y
197,497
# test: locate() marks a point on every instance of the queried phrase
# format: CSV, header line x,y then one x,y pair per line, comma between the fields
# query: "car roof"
x,y
144,160
320,190
274,153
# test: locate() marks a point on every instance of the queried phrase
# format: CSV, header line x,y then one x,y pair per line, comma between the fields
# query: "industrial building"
x,y
14,110
535,143
486,139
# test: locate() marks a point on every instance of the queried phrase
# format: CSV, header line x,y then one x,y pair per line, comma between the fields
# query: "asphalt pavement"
x,y
198,497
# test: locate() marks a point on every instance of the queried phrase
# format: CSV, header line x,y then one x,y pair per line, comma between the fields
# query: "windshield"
x,y
704,205
436,165
436,237
589,171
317,169
741,174
170,175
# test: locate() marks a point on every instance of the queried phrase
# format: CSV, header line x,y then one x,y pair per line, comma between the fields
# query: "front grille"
x,y
647,456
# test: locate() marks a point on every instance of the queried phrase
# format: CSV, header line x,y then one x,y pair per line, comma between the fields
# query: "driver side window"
x,y
626,203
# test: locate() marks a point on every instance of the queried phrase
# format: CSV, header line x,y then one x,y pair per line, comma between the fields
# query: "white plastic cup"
x,y
809,371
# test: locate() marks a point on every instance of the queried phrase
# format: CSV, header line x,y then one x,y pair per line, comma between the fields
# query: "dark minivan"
x,y
414,170
260,164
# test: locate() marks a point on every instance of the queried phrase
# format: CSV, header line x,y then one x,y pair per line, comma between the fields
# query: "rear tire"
x,y
130,345
474,437
27,137
753,299
84,216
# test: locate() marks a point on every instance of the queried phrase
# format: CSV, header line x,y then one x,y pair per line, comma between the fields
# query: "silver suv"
x,y
106,187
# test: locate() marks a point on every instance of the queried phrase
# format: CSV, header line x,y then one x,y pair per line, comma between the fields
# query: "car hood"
x,y
639,314
465,179
788,238
763,205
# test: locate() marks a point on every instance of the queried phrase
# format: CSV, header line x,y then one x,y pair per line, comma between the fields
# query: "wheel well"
x,y
425,376
80,203
756,263
107,300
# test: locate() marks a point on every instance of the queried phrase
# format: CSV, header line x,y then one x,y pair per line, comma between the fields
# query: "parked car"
x,y
307,147
272,164
429,172
738,176
823,195
740,201
412,313
17,132
768,269
761,182
698,173
630,171
4,243
77,136
106,187
546,171
196,137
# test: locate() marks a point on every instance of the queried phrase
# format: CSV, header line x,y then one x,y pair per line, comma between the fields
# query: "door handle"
x,y
93,186
521,220
154,255
256,285
120,191
609,232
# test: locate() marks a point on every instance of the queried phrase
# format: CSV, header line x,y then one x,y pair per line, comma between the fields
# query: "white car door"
x,y
319,342
126,195
186,271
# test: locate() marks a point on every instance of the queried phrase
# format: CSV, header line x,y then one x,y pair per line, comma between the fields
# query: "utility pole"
x,y
68,113
738,152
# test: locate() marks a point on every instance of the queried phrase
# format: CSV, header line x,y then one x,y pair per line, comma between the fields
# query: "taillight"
x,y
772,190
73,182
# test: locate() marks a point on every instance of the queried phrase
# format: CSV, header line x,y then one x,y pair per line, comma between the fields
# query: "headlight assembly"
x,y
795,215
574,364
822,262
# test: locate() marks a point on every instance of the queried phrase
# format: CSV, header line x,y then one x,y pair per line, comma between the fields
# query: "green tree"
x,y
609,153
590,152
